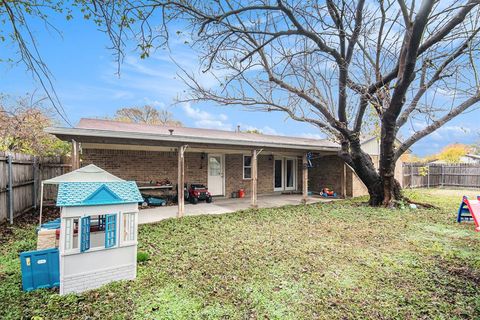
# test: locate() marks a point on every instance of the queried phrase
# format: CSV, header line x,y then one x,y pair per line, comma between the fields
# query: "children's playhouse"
x,y
96,237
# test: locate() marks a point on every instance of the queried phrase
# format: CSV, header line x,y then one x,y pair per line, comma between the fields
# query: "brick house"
x,y
225,161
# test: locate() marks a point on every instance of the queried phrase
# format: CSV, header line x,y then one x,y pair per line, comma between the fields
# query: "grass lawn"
x,y
324,261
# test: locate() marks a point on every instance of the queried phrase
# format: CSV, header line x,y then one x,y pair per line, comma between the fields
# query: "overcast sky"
x,y
86,82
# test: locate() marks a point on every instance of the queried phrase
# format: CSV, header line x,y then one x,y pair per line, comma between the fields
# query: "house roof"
x,y
473,156
366,139
90,173
87,129
74,194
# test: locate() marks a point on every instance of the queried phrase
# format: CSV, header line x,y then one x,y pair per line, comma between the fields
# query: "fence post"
x,y
443,175
10,187
34,167
411,175
428,176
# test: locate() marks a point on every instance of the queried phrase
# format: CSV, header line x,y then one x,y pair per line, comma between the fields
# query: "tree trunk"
x,y
391,187
382,187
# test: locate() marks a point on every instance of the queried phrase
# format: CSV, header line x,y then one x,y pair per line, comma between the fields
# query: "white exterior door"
x,y
284,174
216,177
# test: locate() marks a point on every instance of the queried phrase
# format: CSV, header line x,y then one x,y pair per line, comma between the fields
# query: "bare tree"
x,y
22,124
15,21
327,63
148,115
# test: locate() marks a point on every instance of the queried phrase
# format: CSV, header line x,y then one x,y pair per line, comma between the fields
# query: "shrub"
x,y
142,256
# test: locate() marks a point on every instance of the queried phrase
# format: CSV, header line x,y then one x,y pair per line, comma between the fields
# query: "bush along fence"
x,y
419,175
20,179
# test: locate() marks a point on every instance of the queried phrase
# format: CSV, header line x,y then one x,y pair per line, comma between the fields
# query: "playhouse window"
x,y
247,167
110,230
128,225
93,232
71,233
85,234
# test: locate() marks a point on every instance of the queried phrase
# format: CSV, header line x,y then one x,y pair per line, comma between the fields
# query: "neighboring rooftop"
x,y
473,156
467,159
89,128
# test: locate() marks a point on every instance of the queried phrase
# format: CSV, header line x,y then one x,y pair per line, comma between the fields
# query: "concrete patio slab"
x,y
221,206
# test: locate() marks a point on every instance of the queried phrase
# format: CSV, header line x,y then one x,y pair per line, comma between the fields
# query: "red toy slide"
x,y
471,207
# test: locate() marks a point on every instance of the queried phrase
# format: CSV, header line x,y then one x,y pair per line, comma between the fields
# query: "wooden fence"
x,y
20,181
418,175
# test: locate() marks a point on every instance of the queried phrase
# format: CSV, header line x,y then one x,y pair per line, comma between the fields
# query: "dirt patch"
x,y
29,218
465,273
456,278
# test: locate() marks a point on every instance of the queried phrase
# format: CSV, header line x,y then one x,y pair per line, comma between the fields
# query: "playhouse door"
x,y
40,269
216,178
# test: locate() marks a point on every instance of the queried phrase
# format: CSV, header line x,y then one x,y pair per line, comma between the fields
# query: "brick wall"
x,y
147,165
357,188
327,172
156,165
234,174
93,280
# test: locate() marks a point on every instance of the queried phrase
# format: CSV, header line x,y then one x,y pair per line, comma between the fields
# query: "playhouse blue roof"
x,y
72,194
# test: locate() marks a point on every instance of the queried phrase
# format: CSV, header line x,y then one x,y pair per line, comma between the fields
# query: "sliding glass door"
x,y
290,174
278,174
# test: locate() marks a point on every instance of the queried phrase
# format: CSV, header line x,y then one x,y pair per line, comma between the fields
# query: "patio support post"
x,y
181,181
254,179
305,179
75,155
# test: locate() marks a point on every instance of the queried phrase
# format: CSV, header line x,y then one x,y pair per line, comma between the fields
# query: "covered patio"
x,y
225,205
162,158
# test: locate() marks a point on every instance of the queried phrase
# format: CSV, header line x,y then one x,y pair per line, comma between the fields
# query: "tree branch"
x,y
437,76
429,42
411,47
437,124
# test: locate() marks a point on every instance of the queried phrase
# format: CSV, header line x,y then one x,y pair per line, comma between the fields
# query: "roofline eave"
x,y
79,133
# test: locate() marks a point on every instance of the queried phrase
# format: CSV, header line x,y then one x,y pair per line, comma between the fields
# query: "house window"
x,y
110,230
247,167
71,233
128,225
